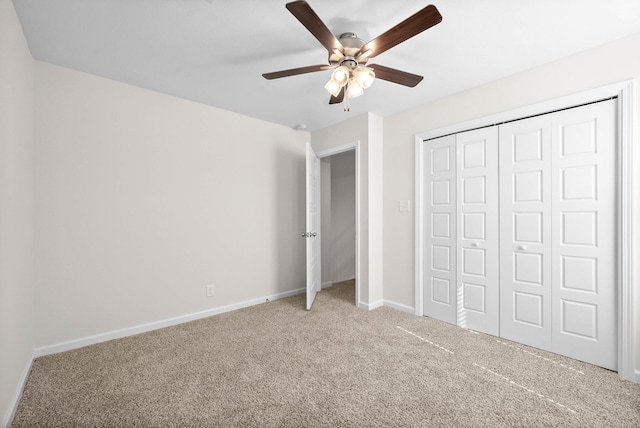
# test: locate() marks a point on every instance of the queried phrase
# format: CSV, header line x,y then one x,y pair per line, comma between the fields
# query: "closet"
x,y
520,231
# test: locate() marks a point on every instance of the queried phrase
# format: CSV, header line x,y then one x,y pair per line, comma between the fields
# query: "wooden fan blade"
x,y
338,99
395,76
313,23
294,71
415,24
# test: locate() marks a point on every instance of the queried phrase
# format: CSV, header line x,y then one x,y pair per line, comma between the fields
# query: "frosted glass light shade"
x,y
354,89
365,76
341,75
333,87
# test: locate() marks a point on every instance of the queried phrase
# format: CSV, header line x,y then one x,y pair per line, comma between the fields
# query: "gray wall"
x,y
325,206
338,217
343,216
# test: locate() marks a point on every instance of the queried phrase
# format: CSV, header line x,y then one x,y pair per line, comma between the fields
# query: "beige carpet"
x,y
278,365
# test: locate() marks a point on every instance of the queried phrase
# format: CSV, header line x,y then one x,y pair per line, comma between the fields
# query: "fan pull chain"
x,y
346,98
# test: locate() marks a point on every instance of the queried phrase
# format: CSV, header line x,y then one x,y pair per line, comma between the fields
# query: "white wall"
x,y
143,199
376,208
610,63
16,210
343,217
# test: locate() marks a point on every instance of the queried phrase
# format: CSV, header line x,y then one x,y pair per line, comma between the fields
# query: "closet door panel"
x,y
439,288
477,225
525,231
584,245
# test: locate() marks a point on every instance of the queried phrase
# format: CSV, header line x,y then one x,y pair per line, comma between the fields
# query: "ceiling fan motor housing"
x,y
352,45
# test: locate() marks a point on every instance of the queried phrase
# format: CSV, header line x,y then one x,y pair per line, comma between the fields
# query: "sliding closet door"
x,y
477,225
583,238
525,231
439,286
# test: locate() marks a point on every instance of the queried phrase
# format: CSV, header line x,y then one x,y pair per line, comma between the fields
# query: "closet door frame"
x,y
624,209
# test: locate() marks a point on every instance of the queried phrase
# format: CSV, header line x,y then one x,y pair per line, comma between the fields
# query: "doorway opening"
x,y
339,189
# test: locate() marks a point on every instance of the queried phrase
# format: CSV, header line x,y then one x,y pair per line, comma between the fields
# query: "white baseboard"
x,y
370,306
335,281
387,303
15,400
143,328
400,307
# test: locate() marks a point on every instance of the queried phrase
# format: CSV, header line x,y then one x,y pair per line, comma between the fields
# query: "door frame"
x,y
334,151
624,193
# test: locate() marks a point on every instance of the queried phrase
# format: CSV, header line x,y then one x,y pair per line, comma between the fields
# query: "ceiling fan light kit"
x,y
348,55
355,78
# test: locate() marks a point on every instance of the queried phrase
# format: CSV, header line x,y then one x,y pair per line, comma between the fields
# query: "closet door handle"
x,y
475,244
522,247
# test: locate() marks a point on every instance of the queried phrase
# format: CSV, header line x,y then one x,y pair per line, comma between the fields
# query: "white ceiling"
x,y
214,51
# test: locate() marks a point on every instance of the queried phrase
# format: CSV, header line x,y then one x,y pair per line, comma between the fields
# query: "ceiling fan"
x,y
348,55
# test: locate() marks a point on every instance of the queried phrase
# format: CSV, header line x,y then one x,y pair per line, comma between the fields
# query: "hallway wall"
x,y
343,216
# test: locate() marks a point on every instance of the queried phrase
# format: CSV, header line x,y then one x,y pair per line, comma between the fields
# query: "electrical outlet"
x,y
211,290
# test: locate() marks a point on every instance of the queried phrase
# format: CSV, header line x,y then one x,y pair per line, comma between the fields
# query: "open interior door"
x,y
312,235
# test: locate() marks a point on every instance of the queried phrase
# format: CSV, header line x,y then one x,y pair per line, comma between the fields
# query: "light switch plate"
x,y
404,206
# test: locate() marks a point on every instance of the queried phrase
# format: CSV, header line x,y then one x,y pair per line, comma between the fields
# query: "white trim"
x,y
334,151
15,401
419,227
337,150
399,307
624,91
326,284
143,328
534,109
626,295
358,234
371,306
